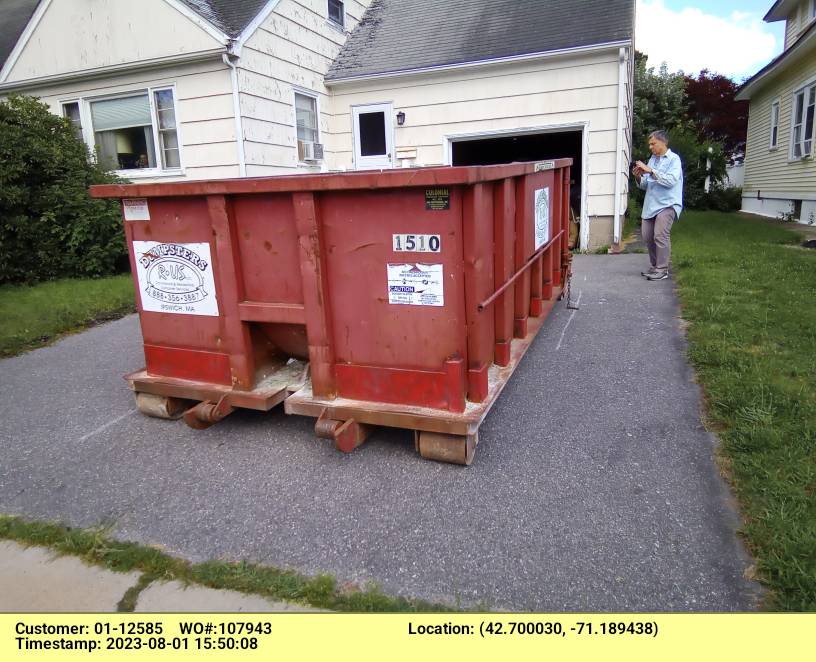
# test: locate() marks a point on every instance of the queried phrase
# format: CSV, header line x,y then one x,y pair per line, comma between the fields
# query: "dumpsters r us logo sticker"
x,y
175,278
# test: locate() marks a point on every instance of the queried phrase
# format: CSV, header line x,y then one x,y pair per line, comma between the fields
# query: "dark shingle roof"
x,y
400,35
231,16
14,16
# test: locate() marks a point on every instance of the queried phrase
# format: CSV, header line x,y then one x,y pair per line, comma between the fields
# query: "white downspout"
x,y
230,59
617,227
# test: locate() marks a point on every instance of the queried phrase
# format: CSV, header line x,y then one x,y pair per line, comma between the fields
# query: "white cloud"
x,y
691,40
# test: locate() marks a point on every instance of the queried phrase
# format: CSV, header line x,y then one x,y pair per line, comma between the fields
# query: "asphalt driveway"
x,y
593,489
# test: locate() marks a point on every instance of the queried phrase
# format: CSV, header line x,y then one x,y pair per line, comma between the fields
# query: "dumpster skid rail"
x,y
402,298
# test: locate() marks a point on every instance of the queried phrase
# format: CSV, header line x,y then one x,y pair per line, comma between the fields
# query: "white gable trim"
x,y
199,20
111,70
33,22
249,30
578,50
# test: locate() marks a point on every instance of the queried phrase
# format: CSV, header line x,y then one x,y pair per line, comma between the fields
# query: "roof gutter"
x,y
112,70
231,59
480,63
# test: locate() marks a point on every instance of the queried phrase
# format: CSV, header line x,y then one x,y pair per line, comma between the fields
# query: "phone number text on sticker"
x,y
416,284
417,243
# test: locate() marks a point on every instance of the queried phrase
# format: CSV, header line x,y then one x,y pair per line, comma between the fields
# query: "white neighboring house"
x,y
780,169
189,89
181,89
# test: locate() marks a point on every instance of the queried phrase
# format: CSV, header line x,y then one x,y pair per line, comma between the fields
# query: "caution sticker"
x,y
176,278
416,284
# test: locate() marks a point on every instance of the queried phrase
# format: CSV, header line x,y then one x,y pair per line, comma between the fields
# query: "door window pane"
x,y
372,134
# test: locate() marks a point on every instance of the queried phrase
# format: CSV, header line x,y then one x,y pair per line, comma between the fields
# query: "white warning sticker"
x,y
416,284
176,278
136,209
542,216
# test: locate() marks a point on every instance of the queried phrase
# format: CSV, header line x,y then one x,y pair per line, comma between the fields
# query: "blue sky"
x,y
725,36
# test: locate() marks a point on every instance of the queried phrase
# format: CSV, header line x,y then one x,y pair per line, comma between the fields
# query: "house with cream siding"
x,y
165,90
780,168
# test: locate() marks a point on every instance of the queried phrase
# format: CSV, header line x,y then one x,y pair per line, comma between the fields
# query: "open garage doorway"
x,y
528,145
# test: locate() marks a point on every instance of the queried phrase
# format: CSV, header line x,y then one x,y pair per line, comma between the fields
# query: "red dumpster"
x,y
402,298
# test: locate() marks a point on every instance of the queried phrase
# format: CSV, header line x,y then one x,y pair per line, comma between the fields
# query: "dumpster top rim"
x,y
334,181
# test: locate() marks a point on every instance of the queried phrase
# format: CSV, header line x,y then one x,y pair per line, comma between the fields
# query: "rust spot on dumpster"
x,y
267,246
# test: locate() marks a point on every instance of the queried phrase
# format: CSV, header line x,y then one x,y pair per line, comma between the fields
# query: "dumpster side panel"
x,y
268,243
388,351
368,329
180,345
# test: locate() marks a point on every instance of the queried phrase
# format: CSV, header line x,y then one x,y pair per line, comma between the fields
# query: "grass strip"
x,y
747,290
34,315
97,547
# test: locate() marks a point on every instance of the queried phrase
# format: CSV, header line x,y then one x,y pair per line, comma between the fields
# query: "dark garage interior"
x,y
531,147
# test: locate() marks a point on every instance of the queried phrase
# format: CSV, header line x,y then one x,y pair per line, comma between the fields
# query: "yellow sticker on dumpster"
x,y
175,278
416,284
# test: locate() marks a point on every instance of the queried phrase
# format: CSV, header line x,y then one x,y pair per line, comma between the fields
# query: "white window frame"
x,y
90,140
342,24
805,91
774,144
313,95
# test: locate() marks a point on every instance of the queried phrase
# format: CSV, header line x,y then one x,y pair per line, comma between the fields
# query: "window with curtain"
x,y
123,132
134,132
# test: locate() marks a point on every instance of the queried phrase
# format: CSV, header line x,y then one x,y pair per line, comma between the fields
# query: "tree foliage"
x,y
49,226
704,140
715,112
659,103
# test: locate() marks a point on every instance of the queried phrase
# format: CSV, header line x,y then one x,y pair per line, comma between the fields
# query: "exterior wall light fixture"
x,y
400,118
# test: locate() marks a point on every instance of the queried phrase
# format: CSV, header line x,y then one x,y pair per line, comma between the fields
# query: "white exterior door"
x,y
373,136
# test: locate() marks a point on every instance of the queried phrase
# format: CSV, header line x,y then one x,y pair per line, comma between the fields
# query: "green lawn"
x,y
33,315
748,290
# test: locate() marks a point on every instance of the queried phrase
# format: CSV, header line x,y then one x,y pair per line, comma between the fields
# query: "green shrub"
x,y
49,226
722,199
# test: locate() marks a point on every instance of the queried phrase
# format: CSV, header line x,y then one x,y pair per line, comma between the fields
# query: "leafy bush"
x,y
49,226
720,198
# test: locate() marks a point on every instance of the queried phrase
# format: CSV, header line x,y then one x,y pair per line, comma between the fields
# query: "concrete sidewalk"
x,y
34,579
594,487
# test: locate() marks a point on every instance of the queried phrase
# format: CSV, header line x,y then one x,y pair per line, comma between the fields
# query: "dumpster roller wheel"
x,y
160,406
452,448
347,435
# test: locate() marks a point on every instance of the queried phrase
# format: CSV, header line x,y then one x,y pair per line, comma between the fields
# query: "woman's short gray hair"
x,y
662,136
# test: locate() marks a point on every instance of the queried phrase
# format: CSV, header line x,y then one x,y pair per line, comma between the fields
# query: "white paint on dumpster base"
x,y
416,284
175,278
